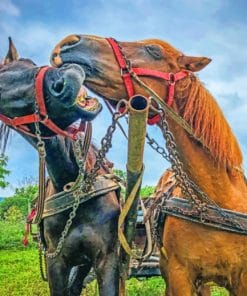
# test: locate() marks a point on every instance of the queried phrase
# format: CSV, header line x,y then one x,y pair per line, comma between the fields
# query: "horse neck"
x,y
223,183
60,160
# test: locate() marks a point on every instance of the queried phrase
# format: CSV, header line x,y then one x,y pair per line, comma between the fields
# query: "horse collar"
x,y
126,70
40,115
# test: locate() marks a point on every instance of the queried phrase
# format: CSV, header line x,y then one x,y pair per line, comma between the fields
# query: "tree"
x,y
3,171
145,191
21,199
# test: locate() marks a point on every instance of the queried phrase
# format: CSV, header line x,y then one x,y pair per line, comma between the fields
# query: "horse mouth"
x,y
85,102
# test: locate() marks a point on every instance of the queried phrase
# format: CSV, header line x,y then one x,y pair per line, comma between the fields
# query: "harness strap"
x,y
231,221
127,72
124,67
39,86
20,123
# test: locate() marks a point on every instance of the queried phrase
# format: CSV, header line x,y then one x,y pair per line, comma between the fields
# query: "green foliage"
x,y
147,191
3,171
22,199
121,174
13,214
153,286
11,236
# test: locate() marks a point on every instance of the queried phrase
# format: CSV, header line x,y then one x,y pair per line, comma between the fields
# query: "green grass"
x,y
20,274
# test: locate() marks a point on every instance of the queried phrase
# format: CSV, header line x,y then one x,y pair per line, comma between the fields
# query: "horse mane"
x,y
202,112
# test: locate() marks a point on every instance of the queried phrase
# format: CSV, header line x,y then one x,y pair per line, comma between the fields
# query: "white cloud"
x,y
196,29
8,7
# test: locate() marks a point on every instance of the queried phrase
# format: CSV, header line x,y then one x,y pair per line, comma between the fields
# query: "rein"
x,y
40,115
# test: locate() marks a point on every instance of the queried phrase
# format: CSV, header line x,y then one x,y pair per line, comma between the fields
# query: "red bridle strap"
x,y
124,67
126,71
20,123
39,86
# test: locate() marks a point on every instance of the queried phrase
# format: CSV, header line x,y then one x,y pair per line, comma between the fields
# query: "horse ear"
x,y
193,64
12,54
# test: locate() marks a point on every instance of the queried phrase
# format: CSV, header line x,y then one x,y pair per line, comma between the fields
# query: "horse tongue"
x,y
75,127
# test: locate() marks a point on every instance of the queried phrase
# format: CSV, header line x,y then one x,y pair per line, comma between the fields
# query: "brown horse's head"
x,y
103,76
191,100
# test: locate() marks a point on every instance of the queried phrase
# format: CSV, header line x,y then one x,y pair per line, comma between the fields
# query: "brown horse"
x,y
195,253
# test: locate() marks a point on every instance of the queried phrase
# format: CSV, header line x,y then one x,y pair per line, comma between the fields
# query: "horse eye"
x,y
154,51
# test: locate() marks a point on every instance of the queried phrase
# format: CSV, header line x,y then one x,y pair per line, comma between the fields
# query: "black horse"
x,y
92,238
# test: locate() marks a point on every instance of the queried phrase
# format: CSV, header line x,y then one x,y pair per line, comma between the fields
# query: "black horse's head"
x,y
64,97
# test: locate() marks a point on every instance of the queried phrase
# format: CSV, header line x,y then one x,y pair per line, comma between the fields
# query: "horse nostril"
x,y
58,85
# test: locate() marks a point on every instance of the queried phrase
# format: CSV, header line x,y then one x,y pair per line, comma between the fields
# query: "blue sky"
x,y
216,29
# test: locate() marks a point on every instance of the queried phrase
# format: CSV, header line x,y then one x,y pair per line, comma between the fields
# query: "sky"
x,y
215,29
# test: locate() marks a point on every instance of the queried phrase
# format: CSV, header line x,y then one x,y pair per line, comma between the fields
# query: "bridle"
x,y
127,70
40,115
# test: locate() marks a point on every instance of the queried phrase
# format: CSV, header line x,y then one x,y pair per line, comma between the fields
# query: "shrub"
x,y
147,191
3,171
11,235
13,214
22,199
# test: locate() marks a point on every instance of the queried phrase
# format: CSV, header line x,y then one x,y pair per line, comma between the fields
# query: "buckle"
x,y
124,71
127,69
172,78
43,118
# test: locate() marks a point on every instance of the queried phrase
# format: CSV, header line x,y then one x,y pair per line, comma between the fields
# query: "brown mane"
x,y
202,112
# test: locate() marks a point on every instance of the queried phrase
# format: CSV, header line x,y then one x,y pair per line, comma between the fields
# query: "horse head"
x,y
105,73
64,98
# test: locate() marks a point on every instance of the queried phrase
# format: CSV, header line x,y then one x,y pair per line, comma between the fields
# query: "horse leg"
x,y
58,276
163,270
76,282
107,272
179,281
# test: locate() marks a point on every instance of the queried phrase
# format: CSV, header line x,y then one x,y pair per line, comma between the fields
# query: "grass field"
x,y
20,275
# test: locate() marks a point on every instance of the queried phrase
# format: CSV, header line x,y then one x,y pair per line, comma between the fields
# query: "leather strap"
x,y
20,123
124,68
64,200
126,71
182,208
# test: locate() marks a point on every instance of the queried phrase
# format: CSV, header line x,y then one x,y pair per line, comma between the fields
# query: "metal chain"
x,y
106,144
155,146
199,199
87,180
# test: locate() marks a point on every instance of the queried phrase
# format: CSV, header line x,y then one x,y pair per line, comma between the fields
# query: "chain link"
x,y
86,180
106,144
198,198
